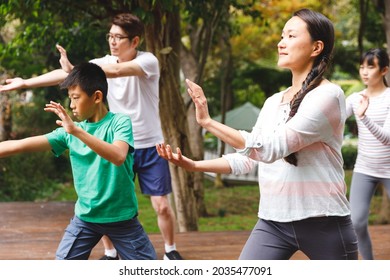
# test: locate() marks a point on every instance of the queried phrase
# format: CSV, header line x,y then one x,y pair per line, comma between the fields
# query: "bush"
x,y
349,153
31,177
350,86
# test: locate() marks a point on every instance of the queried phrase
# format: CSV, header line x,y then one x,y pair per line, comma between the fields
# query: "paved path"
x,y
31,231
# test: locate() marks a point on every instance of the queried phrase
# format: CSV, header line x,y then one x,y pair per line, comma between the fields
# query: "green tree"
x,y
228,46
78,26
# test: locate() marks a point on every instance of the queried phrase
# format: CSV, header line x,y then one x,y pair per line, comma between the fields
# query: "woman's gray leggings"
x,y
363,188
320,238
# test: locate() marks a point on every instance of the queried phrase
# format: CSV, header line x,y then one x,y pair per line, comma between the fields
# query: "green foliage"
x,y
34,176
31,177
39,25
269,79
374,31
350,86
210,142
253,93
354,87
346,63
28,116
351,130
349,153
252,82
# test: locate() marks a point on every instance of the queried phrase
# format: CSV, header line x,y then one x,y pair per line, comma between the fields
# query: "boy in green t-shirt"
x,y
101,154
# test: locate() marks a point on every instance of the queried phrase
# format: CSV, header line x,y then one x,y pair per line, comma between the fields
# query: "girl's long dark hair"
x,y
381,55
320,29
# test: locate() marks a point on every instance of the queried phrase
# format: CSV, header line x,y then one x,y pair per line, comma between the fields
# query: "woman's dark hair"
x,y
320,28
130,24
382,57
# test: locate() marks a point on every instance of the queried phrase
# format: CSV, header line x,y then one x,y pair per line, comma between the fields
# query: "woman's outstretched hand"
x,y
202,113
225,133
165,151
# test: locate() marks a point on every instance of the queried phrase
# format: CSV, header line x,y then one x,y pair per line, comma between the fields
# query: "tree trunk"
x,y
196,145
5,114
162,37
363,4
190,66
226,87
193,65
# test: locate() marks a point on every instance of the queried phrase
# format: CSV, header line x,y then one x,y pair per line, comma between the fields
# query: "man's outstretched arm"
x,y
52,78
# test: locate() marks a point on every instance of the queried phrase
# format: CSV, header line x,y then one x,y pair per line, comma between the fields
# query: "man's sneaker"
x,y
173,255
105,257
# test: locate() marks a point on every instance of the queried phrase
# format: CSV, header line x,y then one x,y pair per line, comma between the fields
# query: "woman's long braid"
x,y
312,80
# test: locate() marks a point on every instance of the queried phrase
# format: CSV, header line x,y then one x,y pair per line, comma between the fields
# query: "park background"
x,y
227,46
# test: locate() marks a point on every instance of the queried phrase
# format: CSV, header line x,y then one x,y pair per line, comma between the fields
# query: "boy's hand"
x,y
66,122
12,84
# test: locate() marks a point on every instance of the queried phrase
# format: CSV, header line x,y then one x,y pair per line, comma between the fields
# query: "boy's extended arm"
x,y
115,152
49,79
26,145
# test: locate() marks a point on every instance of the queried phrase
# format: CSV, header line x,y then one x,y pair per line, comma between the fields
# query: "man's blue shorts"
x,y
153,173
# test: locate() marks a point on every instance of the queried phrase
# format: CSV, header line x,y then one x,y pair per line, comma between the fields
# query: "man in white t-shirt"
x,y
133,89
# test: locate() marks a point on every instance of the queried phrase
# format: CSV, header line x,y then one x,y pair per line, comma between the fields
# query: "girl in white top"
x,y
297,141
371,108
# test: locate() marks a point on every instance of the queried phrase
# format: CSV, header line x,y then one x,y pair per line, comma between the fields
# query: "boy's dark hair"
x,y
89,77
130,23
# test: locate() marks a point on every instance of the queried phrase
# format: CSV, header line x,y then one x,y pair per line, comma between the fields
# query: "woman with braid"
x,y
371,108
297,141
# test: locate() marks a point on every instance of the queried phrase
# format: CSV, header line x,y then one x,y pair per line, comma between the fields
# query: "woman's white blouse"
x,y
315,187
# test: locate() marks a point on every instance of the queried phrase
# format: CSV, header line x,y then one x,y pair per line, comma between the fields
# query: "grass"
x,y
233,208
229,209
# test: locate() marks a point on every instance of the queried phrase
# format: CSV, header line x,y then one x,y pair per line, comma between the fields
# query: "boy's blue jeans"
x,y
128,237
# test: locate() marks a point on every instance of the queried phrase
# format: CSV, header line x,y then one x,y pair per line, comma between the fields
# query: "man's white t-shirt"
x,y
137,97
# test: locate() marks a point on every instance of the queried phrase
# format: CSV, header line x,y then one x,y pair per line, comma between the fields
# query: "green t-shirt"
x,y
105,191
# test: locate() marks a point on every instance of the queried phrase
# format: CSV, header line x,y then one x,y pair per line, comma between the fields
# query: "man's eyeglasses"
x,y
116,38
